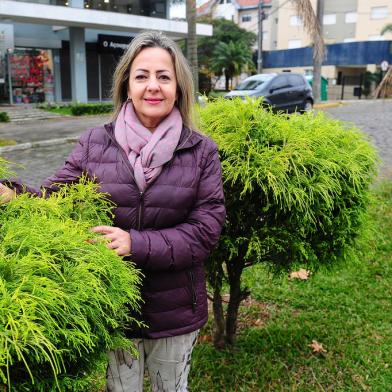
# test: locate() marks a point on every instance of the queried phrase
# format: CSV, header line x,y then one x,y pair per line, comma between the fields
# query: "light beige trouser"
x,y
167,361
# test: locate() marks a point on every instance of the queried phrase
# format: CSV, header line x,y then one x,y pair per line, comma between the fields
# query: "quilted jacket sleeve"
x,y
72,169
192,241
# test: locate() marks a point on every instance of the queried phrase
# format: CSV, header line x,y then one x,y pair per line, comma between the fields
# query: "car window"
x,y
253,84
295,80
279,82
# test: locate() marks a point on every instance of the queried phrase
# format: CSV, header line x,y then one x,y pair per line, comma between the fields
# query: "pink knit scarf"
x,y
147,151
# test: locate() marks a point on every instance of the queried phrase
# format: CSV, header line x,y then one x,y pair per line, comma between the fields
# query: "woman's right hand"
x,y
6,194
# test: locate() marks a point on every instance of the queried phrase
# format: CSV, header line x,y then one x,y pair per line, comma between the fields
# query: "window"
x,y
265,35
379,12
295,20
295,80
246,18
350,17
279,82
329,19
294,43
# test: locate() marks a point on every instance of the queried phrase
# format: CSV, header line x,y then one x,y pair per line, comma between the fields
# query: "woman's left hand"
x,y
119,240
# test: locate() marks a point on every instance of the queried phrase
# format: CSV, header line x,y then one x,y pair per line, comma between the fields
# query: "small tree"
x,y
296,193
231,59
224,31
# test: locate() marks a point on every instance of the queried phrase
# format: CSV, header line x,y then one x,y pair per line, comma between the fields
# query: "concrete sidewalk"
x,y
58,130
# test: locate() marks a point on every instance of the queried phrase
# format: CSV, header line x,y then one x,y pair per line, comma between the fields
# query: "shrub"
x,y
296,192
80,109
4,117
64,296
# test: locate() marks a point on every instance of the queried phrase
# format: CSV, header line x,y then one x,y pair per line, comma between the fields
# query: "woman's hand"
x,y
6,194
119,240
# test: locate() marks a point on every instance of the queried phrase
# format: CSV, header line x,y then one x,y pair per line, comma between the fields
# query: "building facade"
x,y
350,28
62,50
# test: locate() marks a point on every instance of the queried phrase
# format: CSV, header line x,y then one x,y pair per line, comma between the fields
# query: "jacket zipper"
x,y
141,208
194,298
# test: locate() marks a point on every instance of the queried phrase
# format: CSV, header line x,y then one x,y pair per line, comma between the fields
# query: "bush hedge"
x,y
80,109
4,117
64,296
296,187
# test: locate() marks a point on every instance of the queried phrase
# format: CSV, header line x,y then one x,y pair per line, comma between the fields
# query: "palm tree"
x,y
192,41
386,29
313,25
384,89
230,59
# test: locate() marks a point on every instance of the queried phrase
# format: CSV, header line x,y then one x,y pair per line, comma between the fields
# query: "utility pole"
x,y
261,16
318,60
260,37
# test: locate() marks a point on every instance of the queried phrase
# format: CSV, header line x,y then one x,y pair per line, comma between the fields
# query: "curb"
x,y
40,143
328,105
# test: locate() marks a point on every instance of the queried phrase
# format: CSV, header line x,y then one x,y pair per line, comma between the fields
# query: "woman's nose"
x,y
153,84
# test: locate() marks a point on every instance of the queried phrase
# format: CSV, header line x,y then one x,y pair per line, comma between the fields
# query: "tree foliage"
x,y
64,295
296,194
224,32
231,58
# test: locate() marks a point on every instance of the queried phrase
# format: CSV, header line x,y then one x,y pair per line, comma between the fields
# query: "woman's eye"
x,y
165,77
139,77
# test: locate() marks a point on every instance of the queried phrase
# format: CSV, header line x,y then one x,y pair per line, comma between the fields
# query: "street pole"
x,y
9,52
318,61
260,37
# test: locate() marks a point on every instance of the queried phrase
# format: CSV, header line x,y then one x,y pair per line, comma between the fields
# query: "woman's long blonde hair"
x,y
154,39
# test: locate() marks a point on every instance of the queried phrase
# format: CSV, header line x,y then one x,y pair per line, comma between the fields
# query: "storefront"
x,y
32,77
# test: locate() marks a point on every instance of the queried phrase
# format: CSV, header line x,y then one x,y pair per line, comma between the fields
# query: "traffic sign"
x,y
384,65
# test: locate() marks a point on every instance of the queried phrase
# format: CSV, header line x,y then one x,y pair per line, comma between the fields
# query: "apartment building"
x,y
351,29
56,50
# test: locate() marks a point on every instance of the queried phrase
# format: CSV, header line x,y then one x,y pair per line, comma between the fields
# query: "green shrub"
x,y
4,117
80,109
64,295
296,192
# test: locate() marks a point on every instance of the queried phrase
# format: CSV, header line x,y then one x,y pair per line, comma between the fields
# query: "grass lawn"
x,y
7,142
348,311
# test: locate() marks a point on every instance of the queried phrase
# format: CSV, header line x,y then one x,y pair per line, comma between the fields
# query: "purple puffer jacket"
x,y
174,224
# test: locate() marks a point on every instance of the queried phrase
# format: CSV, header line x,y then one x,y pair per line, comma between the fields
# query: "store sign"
x,y
113,43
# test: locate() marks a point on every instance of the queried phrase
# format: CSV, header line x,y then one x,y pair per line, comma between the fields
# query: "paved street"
x,y
374,118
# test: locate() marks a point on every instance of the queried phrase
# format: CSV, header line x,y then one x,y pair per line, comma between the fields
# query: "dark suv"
x,y
285,91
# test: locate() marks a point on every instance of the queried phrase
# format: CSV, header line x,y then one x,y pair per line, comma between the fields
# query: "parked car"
x,y
285,91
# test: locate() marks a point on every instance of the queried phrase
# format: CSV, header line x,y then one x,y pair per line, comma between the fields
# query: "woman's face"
x,y
152,85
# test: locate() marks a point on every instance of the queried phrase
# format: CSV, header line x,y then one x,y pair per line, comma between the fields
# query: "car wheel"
x,y
308,106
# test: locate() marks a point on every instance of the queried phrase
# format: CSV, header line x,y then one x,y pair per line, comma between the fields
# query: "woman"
x,y
165,180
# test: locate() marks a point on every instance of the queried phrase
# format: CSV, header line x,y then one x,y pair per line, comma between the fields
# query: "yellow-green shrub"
x,y
296,191
63,298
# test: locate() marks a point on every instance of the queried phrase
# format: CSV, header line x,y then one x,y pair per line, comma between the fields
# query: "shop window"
x,y
32,75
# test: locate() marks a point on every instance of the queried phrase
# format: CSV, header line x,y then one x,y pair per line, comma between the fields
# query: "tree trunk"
x,y
317,59
192,42
234,270
227,81
219,319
